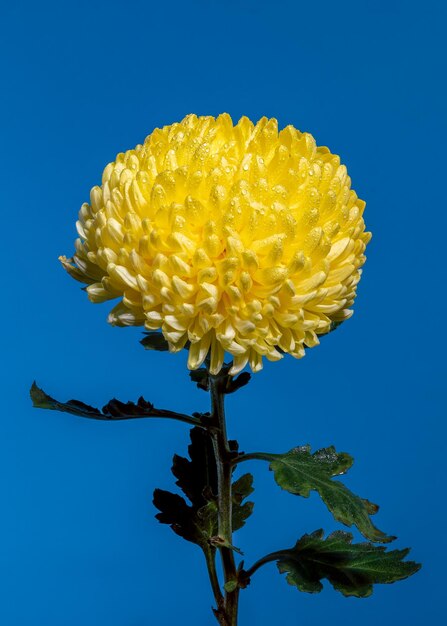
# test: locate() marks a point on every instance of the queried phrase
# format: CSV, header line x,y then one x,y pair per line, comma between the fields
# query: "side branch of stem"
x,y
253,456
273,556
210,556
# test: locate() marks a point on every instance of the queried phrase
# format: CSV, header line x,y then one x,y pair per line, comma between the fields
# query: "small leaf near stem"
x,y
198,478
352,569
240,490
231,585
300,472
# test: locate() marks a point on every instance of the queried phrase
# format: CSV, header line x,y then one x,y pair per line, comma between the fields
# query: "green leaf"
x,y
197,478
195,525
175,512
113,410
351,568
301,472
241,489
153,340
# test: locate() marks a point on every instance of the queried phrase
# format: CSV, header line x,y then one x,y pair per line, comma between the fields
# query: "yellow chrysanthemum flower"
x,y
237,239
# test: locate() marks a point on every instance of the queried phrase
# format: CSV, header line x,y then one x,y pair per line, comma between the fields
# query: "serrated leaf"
x,y
351,568
154,340
42,400
197,478
113,410
301,472
240,490
195,525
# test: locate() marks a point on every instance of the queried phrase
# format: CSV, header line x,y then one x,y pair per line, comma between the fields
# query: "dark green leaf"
x,y
153,340
175,512
241,489
300,472
351,568
201,378
197,526
197,478
41,400
233,384
113,410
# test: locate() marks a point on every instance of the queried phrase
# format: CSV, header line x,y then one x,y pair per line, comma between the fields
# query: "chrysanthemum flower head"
x,y
234,238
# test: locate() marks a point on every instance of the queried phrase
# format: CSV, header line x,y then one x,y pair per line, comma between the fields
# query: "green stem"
x,y
273,556
224,472
211,565
254,456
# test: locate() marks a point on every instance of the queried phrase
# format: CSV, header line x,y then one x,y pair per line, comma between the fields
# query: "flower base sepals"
x,y
230,384
300,472
352,569
113,410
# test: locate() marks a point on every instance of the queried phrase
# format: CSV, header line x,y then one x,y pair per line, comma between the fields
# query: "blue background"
x,y
82,81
